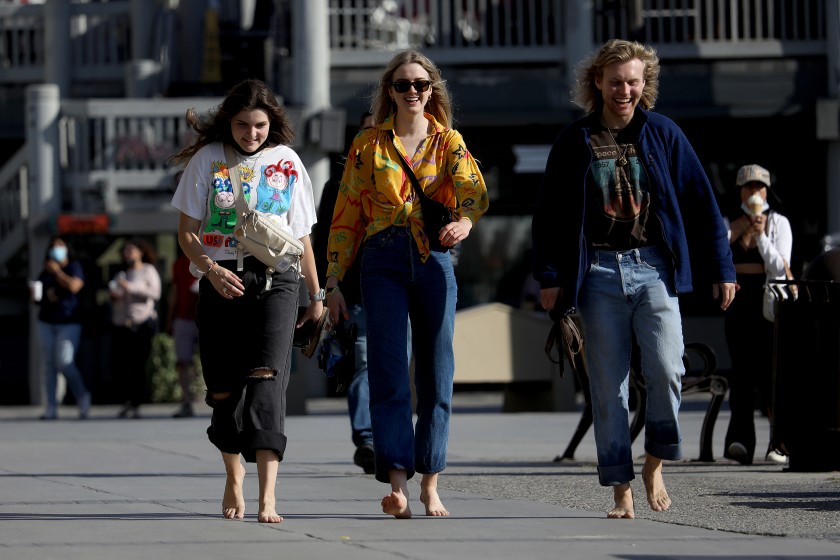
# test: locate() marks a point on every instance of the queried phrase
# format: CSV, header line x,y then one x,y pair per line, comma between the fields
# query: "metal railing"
x,y
14,207
366,32
716,28
99,43
462,31
111,148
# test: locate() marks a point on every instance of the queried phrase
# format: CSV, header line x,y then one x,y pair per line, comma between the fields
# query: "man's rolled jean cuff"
x,y
665,451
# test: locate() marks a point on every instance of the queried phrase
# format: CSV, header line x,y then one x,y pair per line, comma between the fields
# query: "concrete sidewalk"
x,y
151,488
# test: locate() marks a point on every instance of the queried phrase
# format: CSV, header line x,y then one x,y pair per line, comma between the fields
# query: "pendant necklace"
x,y
622,159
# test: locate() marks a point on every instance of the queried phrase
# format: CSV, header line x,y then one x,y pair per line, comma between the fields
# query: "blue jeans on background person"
x,y
623,293
358,395
59,343
397,286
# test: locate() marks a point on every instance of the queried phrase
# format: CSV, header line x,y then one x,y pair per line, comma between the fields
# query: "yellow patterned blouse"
x,y
376,194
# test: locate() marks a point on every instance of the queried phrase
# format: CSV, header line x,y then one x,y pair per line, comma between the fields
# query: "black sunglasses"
x,y
402,86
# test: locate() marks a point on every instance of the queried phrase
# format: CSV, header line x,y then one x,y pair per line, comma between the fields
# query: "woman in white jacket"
x,y
761,242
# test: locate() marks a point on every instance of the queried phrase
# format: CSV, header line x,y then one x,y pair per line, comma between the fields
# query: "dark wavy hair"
x,y
588,96
247,95
149,255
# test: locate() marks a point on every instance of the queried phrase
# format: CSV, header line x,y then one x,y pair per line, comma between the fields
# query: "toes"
x,y
621,513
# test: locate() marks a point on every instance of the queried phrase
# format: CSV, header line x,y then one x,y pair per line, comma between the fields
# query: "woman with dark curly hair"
x,y
246,314
135,291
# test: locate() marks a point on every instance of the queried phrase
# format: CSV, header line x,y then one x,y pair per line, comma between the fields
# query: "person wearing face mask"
x,y
60,325
135,291
761,242
404,275
622,195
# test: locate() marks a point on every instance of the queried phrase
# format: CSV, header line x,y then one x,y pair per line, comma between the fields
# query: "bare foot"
x,y
657,496
396,504
268,514
434,507
623,509
233,502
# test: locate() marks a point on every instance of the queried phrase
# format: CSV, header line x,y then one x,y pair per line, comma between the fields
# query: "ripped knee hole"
x,y
261,374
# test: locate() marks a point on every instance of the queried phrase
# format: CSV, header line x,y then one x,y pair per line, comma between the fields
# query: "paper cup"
x,y
37,289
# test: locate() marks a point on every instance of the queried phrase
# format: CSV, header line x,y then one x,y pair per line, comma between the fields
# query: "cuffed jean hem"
x,y
666,451
613,476
383,470
262,440
222,443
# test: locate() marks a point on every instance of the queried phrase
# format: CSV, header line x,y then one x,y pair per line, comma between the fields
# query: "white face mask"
x,y
58,253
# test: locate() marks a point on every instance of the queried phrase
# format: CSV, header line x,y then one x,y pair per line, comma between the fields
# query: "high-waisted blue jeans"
x,y
358,395
624,293
397,287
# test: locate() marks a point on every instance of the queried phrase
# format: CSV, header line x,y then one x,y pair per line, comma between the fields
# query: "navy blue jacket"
x,y
681,197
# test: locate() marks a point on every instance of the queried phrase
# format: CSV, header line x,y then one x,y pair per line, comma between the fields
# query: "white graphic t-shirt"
x,y
274,181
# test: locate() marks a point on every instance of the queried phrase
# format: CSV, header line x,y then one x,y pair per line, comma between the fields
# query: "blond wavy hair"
x,y
588,96
439,105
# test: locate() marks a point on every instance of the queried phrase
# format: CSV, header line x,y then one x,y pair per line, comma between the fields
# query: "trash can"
x,y
805,416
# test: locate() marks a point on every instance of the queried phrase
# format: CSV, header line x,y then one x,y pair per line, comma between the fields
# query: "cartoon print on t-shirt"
x,y
222,205
274,191
222,201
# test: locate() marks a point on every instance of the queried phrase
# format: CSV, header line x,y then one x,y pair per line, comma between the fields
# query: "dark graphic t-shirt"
x,y
619,196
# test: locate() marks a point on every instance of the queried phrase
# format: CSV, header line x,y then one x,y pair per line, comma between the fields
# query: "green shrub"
x,y
165,387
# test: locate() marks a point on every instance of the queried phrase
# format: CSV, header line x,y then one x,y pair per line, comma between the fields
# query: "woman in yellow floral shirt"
x,y
401,278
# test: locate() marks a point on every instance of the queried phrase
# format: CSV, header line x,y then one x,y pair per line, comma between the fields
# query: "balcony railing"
x,y
113,151
462,31
366,32
99,41
717,28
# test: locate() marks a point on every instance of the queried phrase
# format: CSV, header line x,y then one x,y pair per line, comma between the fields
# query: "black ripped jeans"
x,y
241,336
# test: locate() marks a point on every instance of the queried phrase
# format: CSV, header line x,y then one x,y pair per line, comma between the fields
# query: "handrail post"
x,y
57,59
832,23
310,84
43,106
142,73
577,33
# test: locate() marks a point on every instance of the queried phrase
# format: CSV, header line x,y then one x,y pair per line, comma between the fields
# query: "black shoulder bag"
x,y
435,214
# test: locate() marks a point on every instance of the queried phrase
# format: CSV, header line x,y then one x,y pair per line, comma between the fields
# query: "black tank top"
x,y
743,256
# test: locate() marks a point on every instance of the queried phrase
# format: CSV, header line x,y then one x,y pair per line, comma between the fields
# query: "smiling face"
x,y
250,129
621,86
412,101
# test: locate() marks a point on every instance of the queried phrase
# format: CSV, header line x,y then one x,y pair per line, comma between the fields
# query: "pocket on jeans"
x,y
653,262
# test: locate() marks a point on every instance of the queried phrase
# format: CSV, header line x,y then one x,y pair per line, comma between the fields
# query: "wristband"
x,y
209,268
318,296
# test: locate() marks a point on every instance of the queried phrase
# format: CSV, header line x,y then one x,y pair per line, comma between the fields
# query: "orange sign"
x,y
82,223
